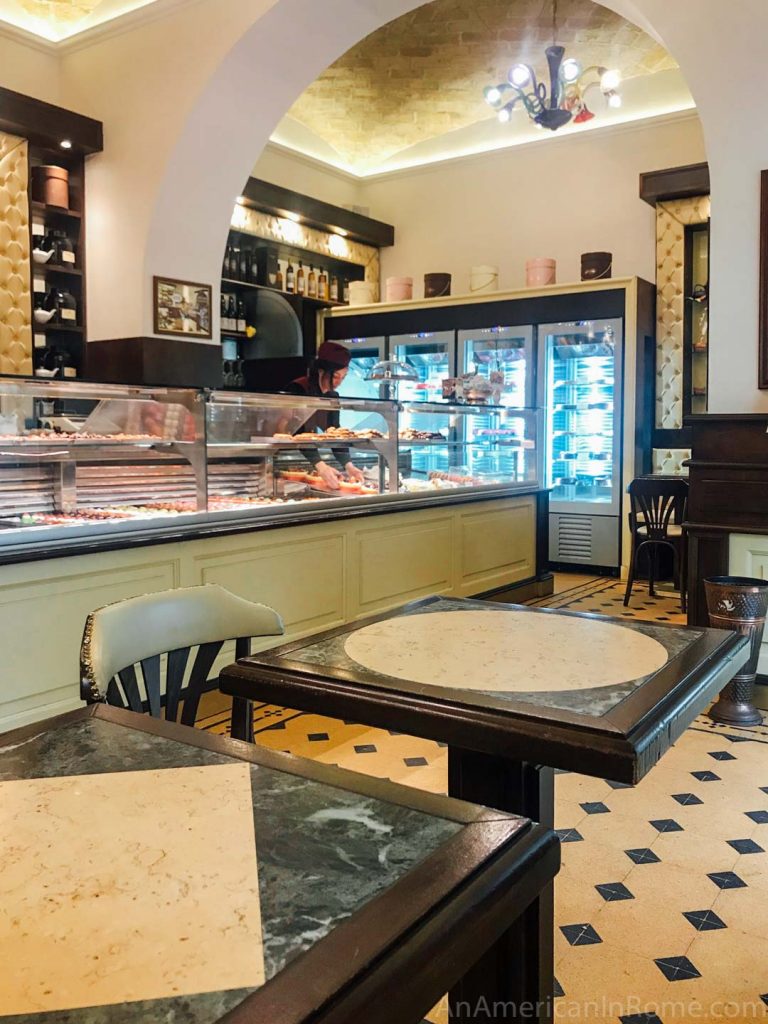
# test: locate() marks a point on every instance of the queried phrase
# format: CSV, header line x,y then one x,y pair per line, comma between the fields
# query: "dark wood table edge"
x,y
436,804
493,869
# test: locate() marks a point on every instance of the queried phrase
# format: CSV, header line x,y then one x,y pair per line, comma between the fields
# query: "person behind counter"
x,y
325,375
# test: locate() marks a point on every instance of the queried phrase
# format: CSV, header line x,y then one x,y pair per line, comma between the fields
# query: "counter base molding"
x,y
317,575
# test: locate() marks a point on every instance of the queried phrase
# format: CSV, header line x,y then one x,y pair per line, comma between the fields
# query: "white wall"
x,y
29,69
294,172
556,198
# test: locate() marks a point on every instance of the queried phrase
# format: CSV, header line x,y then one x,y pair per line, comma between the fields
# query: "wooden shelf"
x,y
325,303
57,328
48,269
239,284
232,334
54,211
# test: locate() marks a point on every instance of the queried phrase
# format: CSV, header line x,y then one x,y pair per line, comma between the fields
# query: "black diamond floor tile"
x,y
666,825
704,920
415,762
727,880
687,799
597,807
643,856
706,776
558,988
619,785
613,891
316,737
365,748
580,934
677,968
569,835
759,817
722,755
745,846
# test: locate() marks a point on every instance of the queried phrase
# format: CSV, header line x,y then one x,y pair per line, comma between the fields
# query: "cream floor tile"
x,y
620,831
745,910
575,902
580,788
644,927
594,862
734,970
690,851
605,980
568,813
673,888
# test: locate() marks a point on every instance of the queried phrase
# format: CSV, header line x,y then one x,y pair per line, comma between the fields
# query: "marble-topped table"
x,y
514,692
156,873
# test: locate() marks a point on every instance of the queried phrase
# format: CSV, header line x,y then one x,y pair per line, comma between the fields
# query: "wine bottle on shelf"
x,y
254,275
224,314
279,278
245,262
64,250
300,283
232,263
290,278
232,313
241,325
345,293
322,285
312,283
334,289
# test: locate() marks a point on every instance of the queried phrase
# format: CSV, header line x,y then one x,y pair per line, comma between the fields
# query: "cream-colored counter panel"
x,y
399,559
301,574
43,607
497,545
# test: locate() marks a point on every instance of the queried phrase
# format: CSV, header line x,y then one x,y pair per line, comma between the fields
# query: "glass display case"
x,y
78,455
506,353
696,326
86,460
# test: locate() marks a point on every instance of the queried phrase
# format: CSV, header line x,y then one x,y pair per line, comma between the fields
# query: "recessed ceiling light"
x,y
295,217
66,144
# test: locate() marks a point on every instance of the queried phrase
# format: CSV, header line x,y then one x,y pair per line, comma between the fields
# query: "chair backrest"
x,y
655,502
124,644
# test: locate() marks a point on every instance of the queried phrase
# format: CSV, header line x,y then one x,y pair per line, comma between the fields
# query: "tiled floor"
x,y
662,900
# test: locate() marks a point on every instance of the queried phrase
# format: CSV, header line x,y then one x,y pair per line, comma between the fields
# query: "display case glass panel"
x,y
582,370
446,446
73,455
696,332
503,353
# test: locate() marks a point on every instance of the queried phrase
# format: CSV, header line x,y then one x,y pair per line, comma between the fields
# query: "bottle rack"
x,y
68,339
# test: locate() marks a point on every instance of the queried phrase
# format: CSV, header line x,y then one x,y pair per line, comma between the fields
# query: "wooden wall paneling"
x,y
496,546
399,558
43,607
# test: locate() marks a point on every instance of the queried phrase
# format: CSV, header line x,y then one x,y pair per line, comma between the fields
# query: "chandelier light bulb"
x,y
519,75
610,80
570,70
504,115
614,100
492,95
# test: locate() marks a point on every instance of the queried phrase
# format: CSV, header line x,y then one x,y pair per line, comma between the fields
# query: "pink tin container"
x,y
540,271
399,289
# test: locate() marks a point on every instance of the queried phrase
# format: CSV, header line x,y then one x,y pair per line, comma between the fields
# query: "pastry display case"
x,y
85,462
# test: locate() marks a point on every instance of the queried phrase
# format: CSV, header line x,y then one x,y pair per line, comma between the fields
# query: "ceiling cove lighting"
x,y
567,89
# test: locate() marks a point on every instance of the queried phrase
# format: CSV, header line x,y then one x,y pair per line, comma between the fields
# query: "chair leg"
x,y
653,569
684,572
630,574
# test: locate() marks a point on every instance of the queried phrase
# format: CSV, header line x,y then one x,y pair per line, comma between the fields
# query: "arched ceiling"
x,y
419,79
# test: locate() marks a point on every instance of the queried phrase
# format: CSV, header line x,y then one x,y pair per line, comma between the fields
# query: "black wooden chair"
x,y
128,647
657,512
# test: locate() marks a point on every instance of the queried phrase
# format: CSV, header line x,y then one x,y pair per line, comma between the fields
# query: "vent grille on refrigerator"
x,y
574,538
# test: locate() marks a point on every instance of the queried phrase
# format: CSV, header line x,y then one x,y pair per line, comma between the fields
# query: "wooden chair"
x,y
121,655
657,511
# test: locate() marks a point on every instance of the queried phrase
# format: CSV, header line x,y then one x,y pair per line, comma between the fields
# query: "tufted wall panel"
x,y
671,220
15,271
669,461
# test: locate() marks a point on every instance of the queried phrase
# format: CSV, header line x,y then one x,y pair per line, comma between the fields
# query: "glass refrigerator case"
x,y
580,381
365,352
431,356
506,352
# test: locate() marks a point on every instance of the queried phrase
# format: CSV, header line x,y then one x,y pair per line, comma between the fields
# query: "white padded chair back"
x,y
126,633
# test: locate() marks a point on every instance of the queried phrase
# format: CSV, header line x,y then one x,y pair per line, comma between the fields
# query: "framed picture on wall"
x,y
183,309
762,379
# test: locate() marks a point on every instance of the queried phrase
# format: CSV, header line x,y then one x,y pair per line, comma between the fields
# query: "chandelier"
x,y
568,85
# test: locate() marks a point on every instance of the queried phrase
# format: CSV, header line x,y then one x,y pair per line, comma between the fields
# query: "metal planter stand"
x,y
741,604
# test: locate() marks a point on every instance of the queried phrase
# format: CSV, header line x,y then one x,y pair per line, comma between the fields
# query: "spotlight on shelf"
x,y
66,144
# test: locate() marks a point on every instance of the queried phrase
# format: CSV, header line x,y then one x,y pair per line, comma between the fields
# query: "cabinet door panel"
x,y
497,546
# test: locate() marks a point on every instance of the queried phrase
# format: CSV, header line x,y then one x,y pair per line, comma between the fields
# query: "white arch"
x,y
287,47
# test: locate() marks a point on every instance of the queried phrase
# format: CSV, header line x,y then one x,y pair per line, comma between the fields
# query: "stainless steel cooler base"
x,y
584,540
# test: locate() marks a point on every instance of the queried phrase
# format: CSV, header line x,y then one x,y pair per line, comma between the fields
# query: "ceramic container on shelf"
x,y
51,185
437,285
399,289
361,293
596,265
484,278
540,271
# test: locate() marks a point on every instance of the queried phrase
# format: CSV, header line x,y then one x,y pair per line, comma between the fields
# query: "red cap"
x,y
334,354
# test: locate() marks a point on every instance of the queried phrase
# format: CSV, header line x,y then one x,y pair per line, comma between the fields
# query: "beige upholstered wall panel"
x,y
671,220
15,272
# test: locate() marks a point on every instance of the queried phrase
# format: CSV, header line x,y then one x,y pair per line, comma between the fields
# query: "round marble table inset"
x,y
505,651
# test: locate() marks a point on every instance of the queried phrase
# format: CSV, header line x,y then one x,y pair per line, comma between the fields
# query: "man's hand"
x,y
354,473
328,475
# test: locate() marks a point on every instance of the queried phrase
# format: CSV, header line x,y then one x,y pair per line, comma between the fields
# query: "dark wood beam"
x,y
46,124
674,183
263,195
